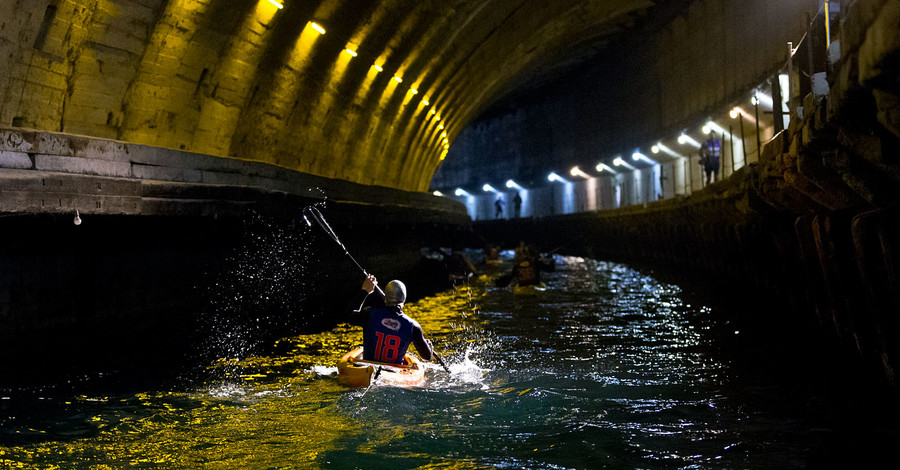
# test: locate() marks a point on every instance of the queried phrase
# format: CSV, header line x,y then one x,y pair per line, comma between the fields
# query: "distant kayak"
x,y
354,371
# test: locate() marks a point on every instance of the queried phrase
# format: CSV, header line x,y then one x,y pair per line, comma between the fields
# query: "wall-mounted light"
x,y
438,193
638,156
655,149
425,101
461,192
685,139
398,79
351,52
739,111
318,28
277,4
717,128
575,171
513,185
488,188
601,167
619,162
378,68
553,177
665,149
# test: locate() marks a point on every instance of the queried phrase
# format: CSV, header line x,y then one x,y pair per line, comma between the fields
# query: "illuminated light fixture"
x,y
277,4
601,167
706,129
318,28
554,177
619,162
351,52
513,185
425,101
378,68
413,91
655,149
440,126
575,171
738,111
438,193
444,135
437,118
715,127
488,188
638,156
398,79
669,151
432,111
685,139
764,99
461,192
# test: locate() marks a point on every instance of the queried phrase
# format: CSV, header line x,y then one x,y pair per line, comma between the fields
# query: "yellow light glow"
x,y
318,28
437,118
443,134
277,4
351,52
413,91
378,68
425,101
432,111
398,79
440,126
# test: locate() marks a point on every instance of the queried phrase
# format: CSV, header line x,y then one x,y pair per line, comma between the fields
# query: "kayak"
x,y
528,289
354,371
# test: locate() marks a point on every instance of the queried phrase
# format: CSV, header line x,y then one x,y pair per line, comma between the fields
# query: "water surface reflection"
x,y
608,368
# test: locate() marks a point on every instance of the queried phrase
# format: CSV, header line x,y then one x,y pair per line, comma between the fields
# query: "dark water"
x,y
607,368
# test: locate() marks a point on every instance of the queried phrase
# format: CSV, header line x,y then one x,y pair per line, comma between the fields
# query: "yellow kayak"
x,y
530,289
354,371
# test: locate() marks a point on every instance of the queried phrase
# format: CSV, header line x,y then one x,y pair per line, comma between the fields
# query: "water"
x,y
607,368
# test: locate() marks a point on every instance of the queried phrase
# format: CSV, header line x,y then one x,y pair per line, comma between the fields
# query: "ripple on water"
x,y
606,368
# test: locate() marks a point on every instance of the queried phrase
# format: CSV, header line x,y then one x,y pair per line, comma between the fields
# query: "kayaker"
x,y
387,331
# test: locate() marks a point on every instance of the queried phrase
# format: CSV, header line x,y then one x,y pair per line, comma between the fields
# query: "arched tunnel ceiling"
x,y
245,79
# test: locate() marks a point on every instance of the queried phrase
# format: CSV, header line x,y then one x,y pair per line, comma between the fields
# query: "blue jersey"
x,y
387,335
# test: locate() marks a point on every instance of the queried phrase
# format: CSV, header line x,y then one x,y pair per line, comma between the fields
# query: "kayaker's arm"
x,y
423,346
356,314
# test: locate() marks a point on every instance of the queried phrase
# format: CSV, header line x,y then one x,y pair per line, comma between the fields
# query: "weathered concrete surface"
x,y
243,79
46,172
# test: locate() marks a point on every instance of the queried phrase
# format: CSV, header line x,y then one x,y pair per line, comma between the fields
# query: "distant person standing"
x,y
712,149
518,204
498,204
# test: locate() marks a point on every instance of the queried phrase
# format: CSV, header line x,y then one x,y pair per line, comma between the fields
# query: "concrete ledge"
x,y
158,181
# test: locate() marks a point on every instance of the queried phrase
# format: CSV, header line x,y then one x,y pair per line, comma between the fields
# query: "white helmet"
x,y
394,293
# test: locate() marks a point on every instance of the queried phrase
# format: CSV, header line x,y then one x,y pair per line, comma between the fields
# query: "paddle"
x,y
313,213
